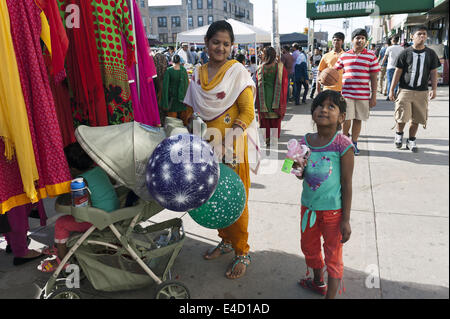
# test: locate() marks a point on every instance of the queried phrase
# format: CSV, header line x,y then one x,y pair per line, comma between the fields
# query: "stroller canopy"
x,y
122,151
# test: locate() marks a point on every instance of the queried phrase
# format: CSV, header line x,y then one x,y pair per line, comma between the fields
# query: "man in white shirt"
x,y
392,54
183,53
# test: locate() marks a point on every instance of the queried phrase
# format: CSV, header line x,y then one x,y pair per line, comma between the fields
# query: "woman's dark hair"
x,y
218,26
335,97
77,157
269,55
176,58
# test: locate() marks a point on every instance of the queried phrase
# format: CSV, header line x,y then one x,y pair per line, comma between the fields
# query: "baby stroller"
x,y
117,253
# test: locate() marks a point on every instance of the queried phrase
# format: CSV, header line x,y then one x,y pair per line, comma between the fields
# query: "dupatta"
x,y
211,104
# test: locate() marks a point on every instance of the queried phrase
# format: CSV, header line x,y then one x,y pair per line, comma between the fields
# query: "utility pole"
x,y
275,30
187,14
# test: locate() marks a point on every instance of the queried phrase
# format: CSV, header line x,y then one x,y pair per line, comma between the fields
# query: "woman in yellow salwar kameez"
x,y
221,93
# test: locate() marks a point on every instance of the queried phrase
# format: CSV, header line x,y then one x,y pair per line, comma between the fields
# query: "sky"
x,y
292,17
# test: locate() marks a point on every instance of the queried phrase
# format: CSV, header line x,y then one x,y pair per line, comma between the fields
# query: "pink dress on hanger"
x,y
145,104
54,175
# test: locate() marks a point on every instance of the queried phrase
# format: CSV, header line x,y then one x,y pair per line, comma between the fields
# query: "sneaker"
x,y
355,144
398,140
411,145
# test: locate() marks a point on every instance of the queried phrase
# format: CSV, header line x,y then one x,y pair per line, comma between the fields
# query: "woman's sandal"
x,y
48,266
243,259
224,248
308,283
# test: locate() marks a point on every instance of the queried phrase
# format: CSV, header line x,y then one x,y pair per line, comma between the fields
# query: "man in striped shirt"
x,y
359,83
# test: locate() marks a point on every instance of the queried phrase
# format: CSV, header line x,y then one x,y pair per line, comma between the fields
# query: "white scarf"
x,y
213,103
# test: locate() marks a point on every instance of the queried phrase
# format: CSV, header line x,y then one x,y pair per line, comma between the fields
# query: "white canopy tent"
x,y
243,34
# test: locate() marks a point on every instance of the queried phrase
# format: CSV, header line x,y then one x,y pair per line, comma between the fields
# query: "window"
x,y
248,14
189,4
162,22
225,6
163,37
210,19
142,3
176,22
191,21
231,7
200,21
174,37
210,4
199,4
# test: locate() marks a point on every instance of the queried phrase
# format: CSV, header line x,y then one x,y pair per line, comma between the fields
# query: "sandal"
x,y
47,265
53,251
310,284
224,248
244,259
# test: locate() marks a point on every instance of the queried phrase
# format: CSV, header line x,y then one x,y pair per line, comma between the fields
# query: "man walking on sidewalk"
x,y
330,59
415,66
392,54
288,60
301,77
382,83
359,86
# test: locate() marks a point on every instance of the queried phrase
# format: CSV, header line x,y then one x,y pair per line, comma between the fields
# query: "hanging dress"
x,y
54,175
112,20
145,104
83,68
17,159
56,69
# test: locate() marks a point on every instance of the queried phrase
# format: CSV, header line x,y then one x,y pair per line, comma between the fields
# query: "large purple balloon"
x,y
182,173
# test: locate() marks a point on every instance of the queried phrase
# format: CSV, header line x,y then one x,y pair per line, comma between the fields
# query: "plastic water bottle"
x,y
80,193
296,152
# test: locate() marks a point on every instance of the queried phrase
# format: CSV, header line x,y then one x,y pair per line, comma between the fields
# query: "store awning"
x,y
331,9
415,19
440,7
300,38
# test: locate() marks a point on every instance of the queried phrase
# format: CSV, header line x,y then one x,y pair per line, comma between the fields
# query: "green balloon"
x,y
226,205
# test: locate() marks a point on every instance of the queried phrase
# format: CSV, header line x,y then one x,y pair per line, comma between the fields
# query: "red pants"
x,y
67,224
327,224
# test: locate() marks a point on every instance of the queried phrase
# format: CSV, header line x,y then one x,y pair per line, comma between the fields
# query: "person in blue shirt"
x,y
204,57
301,77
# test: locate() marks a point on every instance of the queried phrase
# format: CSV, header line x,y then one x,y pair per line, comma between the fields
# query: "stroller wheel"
x,y
65,293
172,290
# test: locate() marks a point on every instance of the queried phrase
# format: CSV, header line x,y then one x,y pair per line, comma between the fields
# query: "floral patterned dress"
x,y
112,19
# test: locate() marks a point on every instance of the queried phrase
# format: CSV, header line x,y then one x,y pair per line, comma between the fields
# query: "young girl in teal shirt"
x,y
327,193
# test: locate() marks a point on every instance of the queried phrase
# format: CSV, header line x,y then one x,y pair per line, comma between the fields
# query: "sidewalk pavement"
x,y
399,246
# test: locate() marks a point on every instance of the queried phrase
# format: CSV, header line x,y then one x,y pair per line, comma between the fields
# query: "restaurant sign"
x,y
328,9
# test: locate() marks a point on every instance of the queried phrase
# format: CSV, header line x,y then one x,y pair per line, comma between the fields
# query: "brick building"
x,y
165,22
